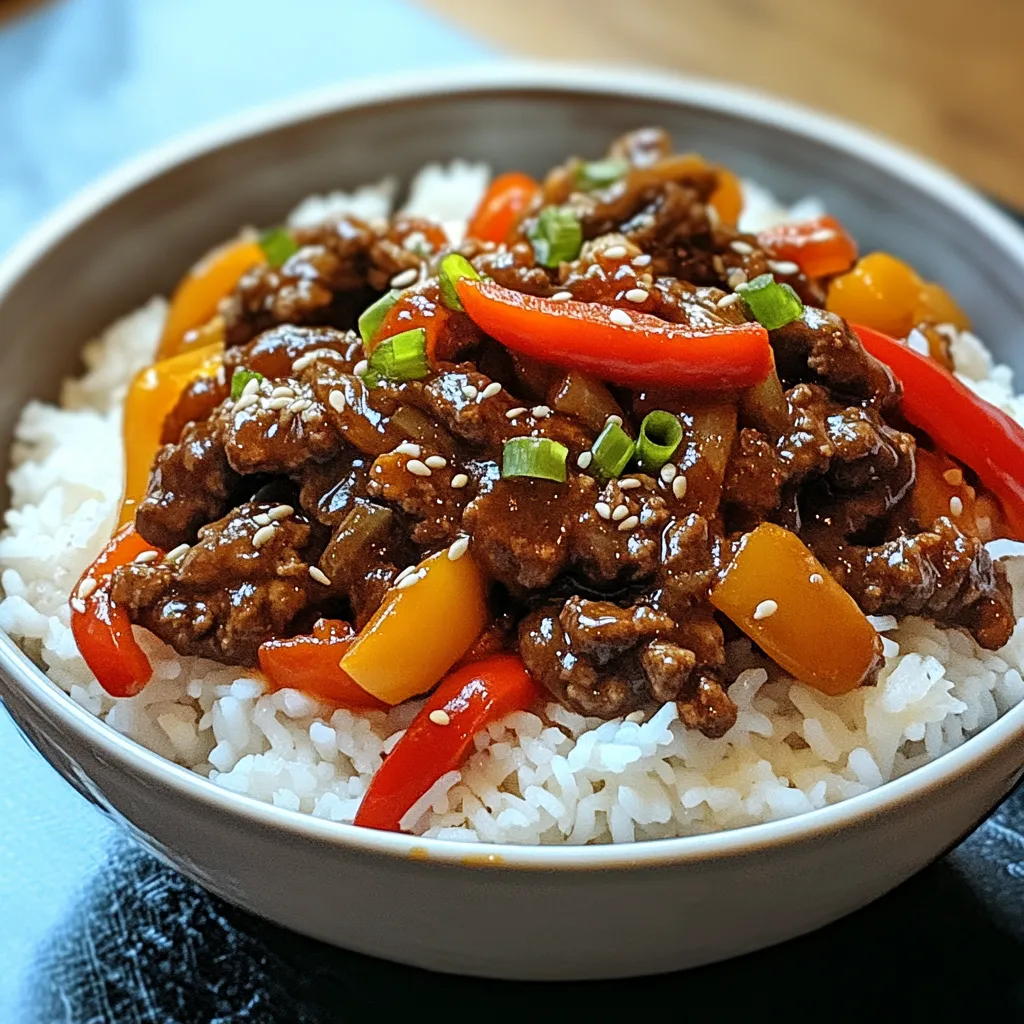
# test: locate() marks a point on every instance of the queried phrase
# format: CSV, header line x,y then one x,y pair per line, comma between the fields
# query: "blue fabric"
x,y
85,84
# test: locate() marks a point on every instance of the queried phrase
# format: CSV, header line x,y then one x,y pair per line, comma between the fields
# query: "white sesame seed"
x,y
617,420
78,604
629,524
261,519
783,267
405,278
458,549
262,536
145,557
816,577
439,717
459,481
336,400
679,487
405,573
304,362
178,553
417,468
954,477
629,483
252,387
245,401
603,509
561,296
635,716
822,235
408,581
956,506
712,215
517,411
584,459
668,472
736,278
283,391
620,317
300,405
637,295
718,263
766,609
620,512
615,252
490,391
361,367
408,448
279,512
541,412
642,260
276,404
469,391
88,585
319,575
741,247
727,300
436,461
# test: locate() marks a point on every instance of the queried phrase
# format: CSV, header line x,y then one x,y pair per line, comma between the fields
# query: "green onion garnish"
x,y
373,316
773,304
556,236
601,173
398,358
660,435
537,457
453,268
612,451
240,378
278,244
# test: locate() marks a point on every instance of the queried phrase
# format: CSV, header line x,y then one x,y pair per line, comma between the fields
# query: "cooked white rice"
x,y
544,777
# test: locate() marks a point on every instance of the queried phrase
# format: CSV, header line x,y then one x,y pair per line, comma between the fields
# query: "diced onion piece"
x,y
612,451
600,173
454,267
537,457
660,435
556,236
278,245
399,358
773,304
788,603
240,378
373,316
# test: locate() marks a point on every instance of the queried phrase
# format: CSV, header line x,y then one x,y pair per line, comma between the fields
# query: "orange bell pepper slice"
x,y
152,395
819,247
196,298
420,631
507,198
789,604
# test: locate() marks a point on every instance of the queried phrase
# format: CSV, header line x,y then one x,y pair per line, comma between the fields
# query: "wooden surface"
x,y
947,83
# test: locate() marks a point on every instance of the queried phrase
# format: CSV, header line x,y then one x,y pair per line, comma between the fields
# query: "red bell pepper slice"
x,y
623,347
310,664
101,628
959,422
441,735
818,247
507,198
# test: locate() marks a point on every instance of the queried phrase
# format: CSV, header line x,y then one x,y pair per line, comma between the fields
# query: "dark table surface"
x,y
93,929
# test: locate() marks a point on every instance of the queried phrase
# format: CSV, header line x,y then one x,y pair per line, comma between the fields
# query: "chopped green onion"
x,y
601,173
373,316
278,244
612,451
240,378
556,236
660,435
537,457
398,358
453,268
773,304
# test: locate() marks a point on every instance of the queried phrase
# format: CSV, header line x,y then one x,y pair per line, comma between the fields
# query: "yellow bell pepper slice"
x,y
420,631
152,395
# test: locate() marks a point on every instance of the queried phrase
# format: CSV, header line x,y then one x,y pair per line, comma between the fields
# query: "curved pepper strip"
x,y
819,247
644,351
507,198
102,629
441,735
963,425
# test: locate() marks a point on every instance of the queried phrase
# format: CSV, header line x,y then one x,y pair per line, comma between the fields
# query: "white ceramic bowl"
x,y
516,912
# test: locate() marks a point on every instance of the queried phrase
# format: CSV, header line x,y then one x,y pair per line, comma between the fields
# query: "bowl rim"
x,y
512,76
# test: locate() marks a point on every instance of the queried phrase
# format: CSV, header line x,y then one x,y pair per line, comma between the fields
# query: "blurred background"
x,y
86,83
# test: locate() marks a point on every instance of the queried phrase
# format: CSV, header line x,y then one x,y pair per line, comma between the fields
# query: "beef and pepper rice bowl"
x,y
619,505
